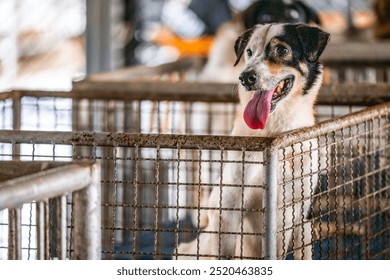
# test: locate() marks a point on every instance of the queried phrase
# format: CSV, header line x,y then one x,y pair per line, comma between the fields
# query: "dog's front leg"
x,y
223,223
225,218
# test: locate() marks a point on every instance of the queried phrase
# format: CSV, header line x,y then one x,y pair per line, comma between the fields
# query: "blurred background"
x,y
45,44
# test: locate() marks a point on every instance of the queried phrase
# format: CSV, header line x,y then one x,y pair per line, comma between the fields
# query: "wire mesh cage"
x,y
155,186
39,202
348,209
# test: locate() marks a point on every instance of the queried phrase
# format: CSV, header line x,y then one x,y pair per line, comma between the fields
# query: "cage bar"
x,y
34,185
271,204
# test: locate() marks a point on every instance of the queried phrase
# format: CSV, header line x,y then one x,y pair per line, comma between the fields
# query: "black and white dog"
x,y
279,85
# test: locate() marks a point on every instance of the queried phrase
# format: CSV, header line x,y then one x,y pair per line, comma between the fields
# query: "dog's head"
x,y
267,11
281,60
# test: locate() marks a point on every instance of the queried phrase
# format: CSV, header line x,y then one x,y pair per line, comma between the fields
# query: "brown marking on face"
x,y
304,68
276,58
274,68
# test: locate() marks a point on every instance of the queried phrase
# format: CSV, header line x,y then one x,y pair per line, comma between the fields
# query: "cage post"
x,y
42,223
270,203
15,234
61,227
87,213
98,36
16,111
16,120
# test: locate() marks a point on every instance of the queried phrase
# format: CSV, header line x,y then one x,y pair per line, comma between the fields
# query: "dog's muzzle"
x,y
248,79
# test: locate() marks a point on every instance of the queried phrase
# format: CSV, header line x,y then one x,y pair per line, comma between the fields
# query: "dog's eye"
x,y
249,52
282,51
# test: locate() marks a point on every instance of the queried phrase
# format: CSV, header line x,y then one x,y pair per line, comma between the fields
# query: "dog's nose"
x,y
248,78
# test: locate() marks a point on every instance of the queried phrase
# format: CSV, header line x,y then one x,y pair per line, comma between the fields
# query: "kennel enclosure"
x,y
156,137
152,184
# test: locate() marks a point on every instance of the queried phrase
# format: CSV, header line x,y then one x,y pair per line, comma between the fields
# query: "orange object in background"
x,y
186,47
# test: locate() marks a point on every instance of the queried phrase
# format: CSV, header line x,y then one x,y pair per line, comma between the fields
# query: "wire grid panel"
x,y
151,185
152,116
62,111
37,219
332,185
181,108
345,215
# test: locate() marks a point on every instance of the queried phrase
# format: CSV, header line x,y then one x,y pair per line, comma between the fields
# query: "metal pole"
x,y
49,183
16,121
16,111
41,233
106,50
14,234
87,219
61,227
271,204
92,36
98,36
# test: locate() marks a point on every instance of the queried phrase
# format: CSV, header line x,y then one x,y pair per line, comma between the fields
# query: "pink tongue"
x,y
257,110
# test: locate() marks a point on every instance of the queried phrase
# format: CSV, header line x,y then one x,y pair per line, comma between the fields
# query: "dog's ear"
x,y
313,41
241,43
311,14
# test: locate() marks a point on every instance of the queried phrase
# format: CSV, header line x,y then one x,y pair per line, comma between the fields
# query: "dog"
x,y
219,66
277,91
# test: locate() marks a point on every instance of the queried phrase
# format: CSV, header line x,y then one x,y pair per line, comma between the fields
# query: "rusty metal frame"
x,y
337,94
158,141
95,105
26,182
